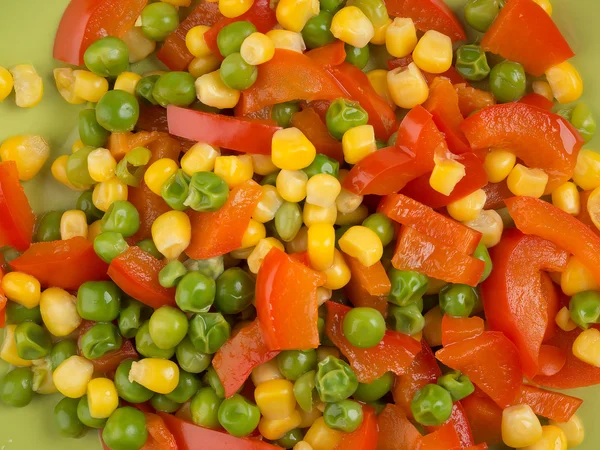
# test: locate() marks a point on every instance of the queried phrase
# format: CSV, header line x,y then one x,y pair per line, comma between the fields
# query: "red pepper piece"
x,y
485,417
149,206
395,430
538,100
496,194
455,329
482,446
471,99
18,220
552,359
328,55
111,360
459,421
444,438
365,437
159,436
553,405
373,279
309,122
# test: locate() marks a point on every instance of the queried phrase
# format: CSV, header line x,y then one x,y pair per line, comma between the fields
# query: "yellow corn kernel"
x,y
8,351
299,243
171,233
293,14
543,88
72,376
42,377
158,375
77,145
380,32
234,8
102,397
432,331
490,225
546,6
29,152
401,37
469,207
563,320
6,83
59,311
268,205
101,165
195,43
204,65
347,202
257,48
354,217
29,86
291,149
321,437
527,182
587,347
291,185
94,230
323,294
358,142
21,288
352,26
566,197
565,82
138,44
287,40
520,426
264,246
553,438
338,273
263,164
446,174
211,91
266,372
89,86
253,234
322,190
275,399
234,169
303,445
274,429
593,207
363,244
59,172
313,214
587,170
573,430
65,83
160,171
127,81
408,87
433,52
321,245
498,164
378,80
108,192
73,223
309,417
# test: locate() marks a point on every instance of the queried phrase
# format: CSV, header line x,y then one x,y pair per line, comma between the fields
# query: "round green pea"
x,y
345,415
149,246
322,164
331,6
211,267
174,88
205,408
335,380
175,190
282,113
236,73
16,388
288,220
99,340
126,428
373,391
431,405
48,228
121,217
117,111
457,384
130,391
481,252
406,319
364,327
375,10
195,292
168,326
209,331
238,416
186,388
85,203
212,379
110,245
471,62
170,275
382,226
145,87
159,20
191,359
583,120
161,402
107,57
291,438
17,313
145,346
358,57
84,416
208,192
295,363
130,318
304,389
90,131
62,351
77,167
508,81
458,300
407,286
99,301
66,420
270,179
32,341
230,38
344,114
585,308
480,14
234,291
392,140
316,32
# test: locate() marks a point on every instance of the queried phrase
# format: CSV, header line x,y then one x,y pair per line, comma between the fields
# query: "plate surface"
x,y
27,29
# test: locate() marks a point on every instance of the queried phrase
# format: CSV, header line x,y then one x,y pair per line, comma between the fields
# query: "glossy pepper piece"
x,y
444,437
471,99
149,207
159,435
332,54
538,100
455,329
460,422
396,432
365,436
485,417
364,279
309,122
553,405
18,220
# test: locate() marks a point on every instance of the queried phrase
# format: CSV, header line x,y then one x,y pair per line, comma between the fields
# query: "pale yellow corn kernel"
x,y
72,376
380,32
401,37
322,190
108,192
565,82
101,165
337,274
274,429
546,6
21,288
469,207
293,14
127,81
94,230
89,86
363,244
241,253
77,145
587,347
28,85
543,88
65,83
378,80
262,248
587,170
291,149
563,320
303,445
234,8
266,372
358,142
257,49
287,40
42,377
178,2
520,426
354,217
527,182
446,174
59,311
313,214
253,234
489,223
6,83
200,158
347,202
498,164
211,91
309,417
321,246
408,87
323,294
8,350
29,152
433,52
291,185
593,207
268,205
275,399
159,172
158,375
234,169
566,197
171,233
73,223
573,429
432,331
263,164
102,396
435,286
553,438
204,65
138,44
59,172
195,43
352,26
299,243
321,437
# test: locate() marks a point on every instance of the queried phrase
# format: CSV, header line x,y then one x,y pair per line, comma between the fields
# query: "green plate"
x,y
27,31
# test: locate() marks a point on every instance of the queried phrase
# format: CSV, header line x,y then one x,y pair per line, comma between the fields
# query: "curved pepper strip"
x,y
551,360
514,300
239,355
328,55
496,193
396,432
149,206
523,21
485,417
394,353
219,232
491,361
309,122
64,264
363,438
537,100
136,273
540,138
471,99
159,436
455,329
18,220
368,286
444,438
452,74
460,423
553,405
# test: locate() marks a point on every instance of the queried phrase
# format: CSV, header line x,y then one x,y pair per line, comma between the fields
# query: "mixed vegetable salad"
x,y
324,225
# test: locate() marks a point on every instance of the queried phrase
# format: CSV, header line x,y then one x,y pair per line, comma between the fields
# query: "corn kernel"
x,y
211,91
6,83
274,429
380,32
253,234
94,229
102,396
408,87
204,65
291,149
101,165
257,49
337,274
321,437
490,225
200,158
262,248
263,164
195,43
354,217
520,426
313,214
432,331
527,182
65,83
29,86
275,399
59,311
378,80
587,170
573,430
563,320
566,197
108,192
469,207
543,88
363,244
302,445
8,350
29,152
546,6
498,164
171,233
352,26
158,375
587,347
266,372
138,44
446,174
127,81
72,376
268,205
293,14
234,8
77,145
73,223
89,86
401,37
358,142
291,185
287,40
347,202
299,243
160,171
321,244
593,207
59,172
309,417
565,82
323,295
322,190
21,288
553,438
234,169
433,52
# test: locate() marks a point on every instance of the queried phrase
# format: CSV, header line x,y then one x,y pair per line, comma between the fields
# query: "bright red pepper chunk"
x,y
553,405
18,220
444,438
485,417
551,360
159,436
460,423
455,329
538,100
365,437
396,432
309,122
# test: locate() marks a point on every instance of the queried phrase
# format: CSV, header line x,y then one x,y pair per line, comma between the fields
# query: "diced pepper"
x,y
551,360
332,54
553,405
310,123
538,100
159,436
365,437
149,206
373,279
18,220
455,329
496,193
460,422
485,418
395,430
444,438
471,99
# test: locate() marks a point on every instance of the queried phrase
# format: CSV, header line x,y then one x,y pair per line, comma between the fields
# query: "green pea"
x,y
121,217
130,317
99,301
339,232
238,416
62,351
407,286
380,144
230,38
382,226
195,293
364,327
431,405
99,340
84,416
480,14
335,380
145,346
109,245
205,408
471,62
126,427
117,111
49,227
186,388
17,313
16,388
162,403
209,331
375,11
175,190
32,341
392,140
236,73
66,420
170,275
159,20
107,57
234,291
345,415
149,246
295,363
304,388
565,113
9,254
144,88
174,88
211,267
457,384
585,308
168,327
270,179
481,252
458,300
370,392
208,192
90,131
406,319
190,359
508,81
583,120
291,438
358,57
344,114
323,164
288,220
316,32
282,113
212,379
86,204
130,391
331,6
77,167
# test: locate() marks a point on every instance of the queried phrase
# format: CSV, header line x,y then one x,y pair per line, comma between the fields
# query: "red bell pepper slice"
x,y
485,417
540,138
538,100
358,296
320,107
534,216
407,211
553,405
149,206
64,264
239,355
219,232
110,361
496,193
363,438
18,220
332,54
551,360
444,438
309,122
455,329
429,15
471,99
460,423
159,436
368,286
524,21
286,302
452,74
514,300
174,53
491,361
396,432
394,353
160,144
136,273
482,446
86,21
584,216
288,76
234,133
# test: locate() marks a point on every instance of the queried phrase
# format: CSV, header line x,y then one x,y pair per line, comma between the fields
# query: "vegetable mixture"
x,y
326,226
